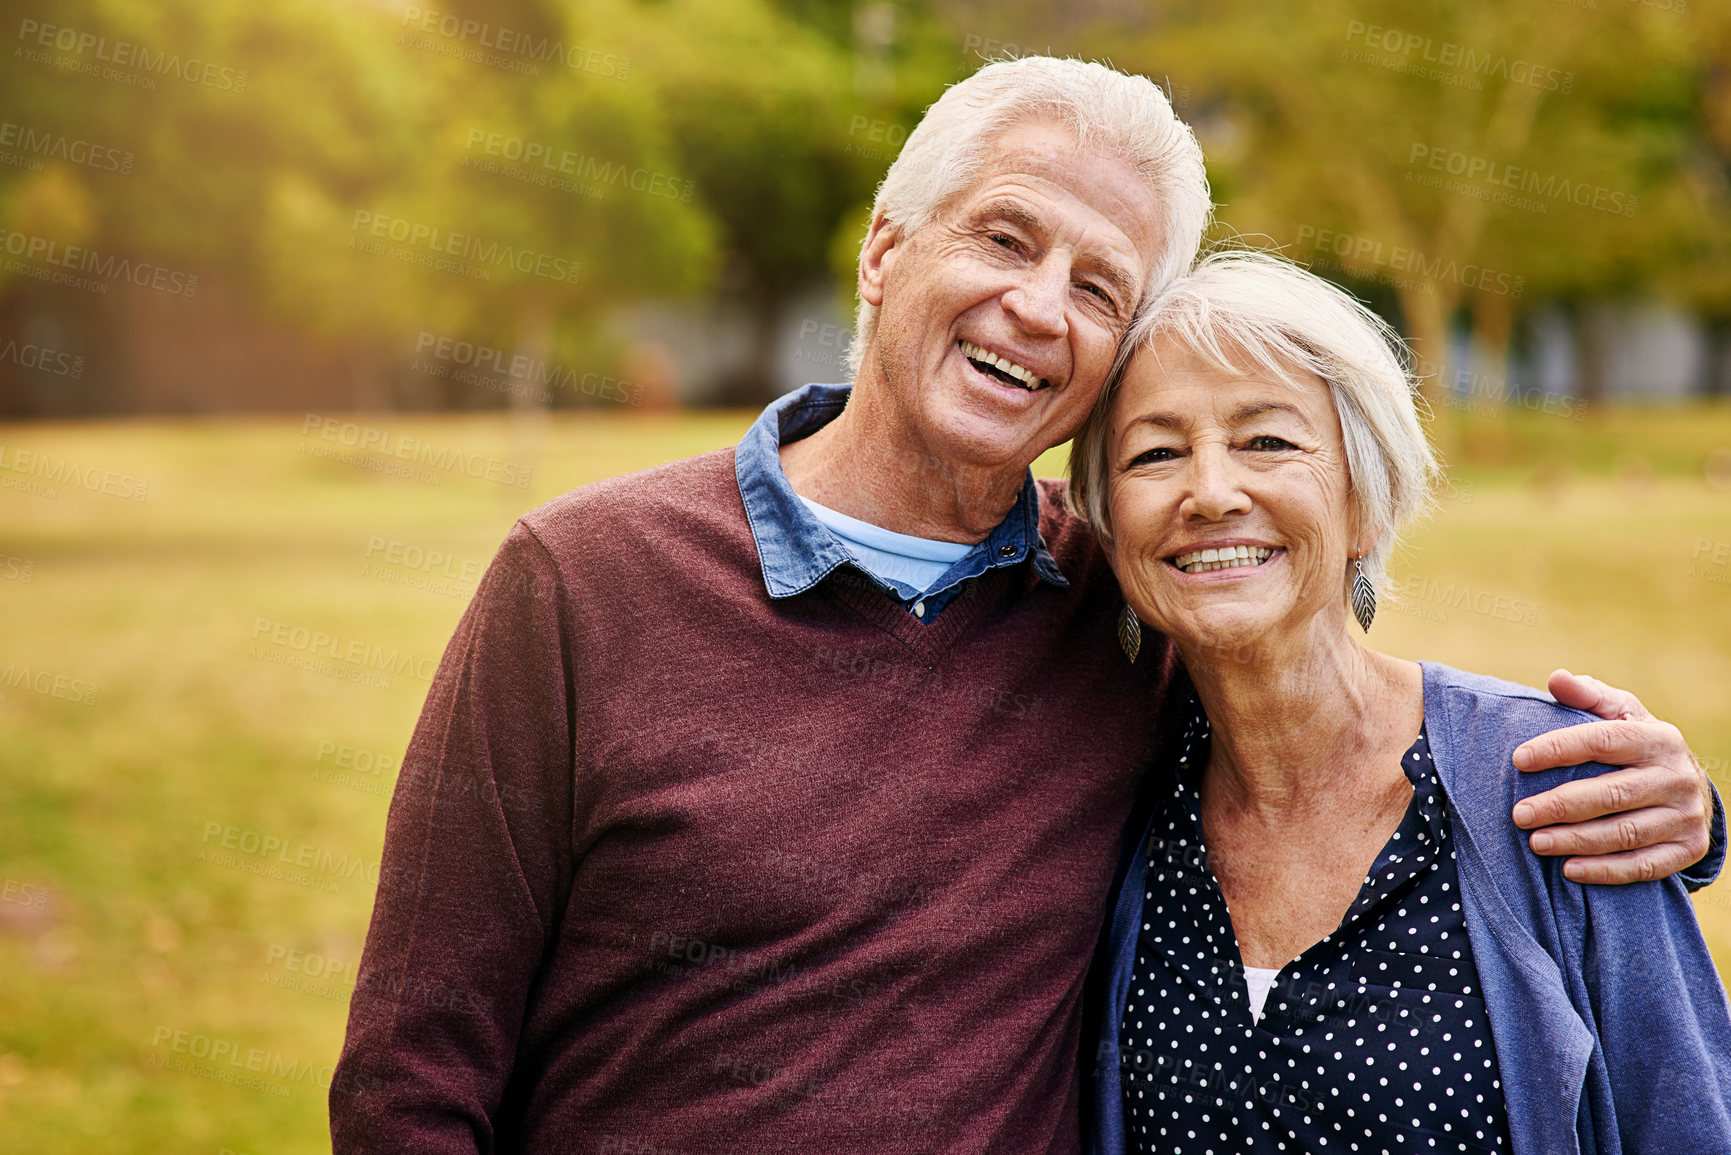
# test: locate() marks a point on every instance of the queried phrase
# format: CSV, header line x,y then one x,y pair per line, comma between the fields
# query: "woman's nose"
x,y
1216,491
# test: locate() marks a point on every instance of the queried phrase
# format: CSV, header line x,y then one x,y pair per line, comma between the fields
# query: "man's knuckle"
x,y
1628,835
1619,794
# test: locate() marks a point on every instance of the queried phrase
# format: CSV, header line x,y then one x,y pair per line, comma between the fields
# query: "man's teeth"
x,y
1226,557
1026,378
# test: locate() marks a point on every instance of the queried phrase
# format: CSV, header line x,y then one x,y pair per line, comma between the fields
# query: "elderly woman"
x,y
1327,936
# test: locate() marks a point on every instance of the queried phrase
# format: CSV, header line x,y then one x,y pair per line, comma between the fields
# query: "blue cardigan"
x,y
1612,1031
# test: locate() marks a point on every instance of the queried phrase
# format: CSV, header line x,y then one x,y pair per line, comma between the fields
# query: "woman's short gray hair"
x,y
1246,309
1109,111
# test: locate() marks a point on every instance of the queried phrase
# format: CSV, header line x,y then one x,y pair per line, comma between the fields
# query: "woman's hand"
x,y
1642,822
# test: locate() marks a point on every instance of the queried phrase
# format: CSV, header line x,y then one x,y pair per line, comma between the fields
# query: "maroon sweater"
x,y
673,867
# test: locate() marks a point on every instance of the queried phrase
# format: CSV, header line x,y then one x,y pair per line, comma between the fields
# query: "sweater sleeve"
x,y
475,870
1661,1016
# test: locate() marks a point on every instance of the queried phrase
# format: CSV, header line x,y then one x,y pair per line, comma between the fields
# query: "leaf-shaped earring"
x,y
1363,596
1130,633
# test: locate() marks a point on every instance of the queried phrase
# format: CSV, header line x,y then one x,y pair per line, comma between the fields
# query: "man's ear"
x,y
875,257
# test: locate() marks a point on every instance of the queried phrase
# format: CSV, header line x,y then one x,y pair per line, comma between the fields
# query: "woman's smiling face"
x,y
1202,458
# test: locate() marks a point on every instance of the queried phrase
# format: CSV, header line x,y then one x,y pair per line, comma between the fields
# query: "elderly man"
x,y
775,794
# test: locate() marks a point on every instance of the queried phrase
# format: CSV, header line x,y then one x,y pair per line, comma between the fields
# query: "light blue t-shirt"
x,y
911,564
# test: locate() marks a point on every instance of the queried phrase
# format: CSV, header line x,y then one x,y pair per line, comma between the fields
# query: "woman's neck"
x,y
1307,730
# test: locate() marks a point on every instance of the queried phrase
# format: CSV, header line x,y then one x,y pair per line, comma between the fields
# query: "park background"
x,y
303,302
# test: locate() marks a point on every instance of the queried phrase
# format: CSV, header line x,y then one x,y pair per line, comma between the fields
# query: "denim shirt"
x,y
797,551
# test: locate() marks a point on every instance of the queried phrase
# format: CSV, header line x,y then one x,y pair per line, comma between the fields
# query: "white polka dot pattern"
x,y
1373,1040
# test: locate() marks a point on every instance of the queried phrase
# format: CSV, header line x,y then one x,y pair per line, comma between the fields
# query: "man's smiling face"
x,y
999,321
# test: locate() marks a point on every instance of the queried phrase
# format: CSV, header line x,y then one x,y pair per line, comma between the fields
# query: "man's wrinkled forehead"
x,y
1126,281
1044,153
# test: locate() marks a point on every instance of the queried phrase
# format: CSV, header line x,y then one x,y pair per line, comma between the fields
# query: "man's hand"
x,y
1643,822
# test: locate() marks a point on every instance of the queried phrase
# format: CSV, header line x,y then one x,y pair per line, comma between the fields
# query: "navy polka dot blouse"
x,y
1373,1040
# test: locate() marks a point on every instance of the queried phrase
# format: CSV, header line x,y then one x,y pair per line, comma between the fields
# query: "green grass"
x,y
125,933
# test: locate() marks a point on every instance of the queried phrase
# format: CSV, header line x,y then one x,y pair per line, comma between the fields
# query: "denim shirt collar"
x,y
797,550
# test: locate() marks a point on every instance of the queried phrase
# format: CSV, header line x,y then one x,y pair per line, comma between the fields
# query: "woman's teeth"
x,y
1007,370
1226,557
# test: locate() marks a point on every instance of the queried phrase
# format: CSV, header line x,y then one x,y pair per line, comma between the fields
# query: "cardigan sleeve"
x,y
475,870
1661,1017
1704,872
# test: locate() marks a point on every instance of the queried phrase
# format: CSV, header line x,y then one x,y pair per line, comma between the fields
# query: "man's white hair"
x,y
1110,112
1246,310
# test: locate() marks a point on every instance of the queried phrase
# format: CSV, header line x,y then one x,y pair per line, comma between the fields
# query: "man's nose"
x,y
1038,301
1216,491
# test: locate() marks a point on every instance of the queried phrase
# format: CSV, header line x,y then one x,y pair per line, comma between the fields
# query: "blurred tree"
x,y
504,173
1702,274
756,106
1461,156
515,172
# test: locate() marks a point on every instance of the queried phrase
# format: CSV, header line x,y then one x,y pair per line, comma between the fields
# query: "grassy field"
x,y
168,737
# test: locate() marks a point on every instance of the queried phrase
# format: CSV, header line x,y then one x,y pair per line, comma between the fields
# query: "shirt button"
x,y
919,609
1006,551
